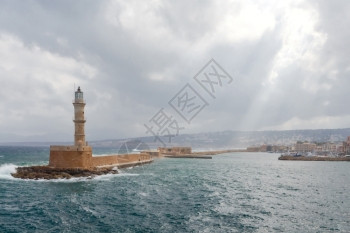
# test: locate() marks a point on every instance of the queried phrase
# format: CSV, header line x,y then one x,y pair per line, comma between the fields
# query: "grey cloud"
x,y
171,41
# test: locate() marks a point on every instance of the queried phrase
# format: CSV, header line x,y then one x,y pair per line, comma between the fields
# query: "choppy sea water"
x,y
237,192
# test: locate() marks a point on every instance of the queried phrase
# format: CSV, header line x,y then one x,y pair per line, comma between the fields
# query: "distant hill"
x,y
224,139
240,139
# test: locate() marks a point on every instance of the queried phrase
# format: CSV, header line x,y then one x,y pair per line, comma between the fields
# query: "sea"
x,y
234,192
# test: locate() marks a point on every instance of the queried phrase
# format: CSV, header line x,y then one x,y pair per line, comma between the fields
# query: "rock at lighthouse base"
x,y
48,173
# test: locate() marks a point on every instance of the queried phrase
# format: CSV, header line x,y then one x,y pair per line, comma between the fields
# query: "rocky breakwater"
x,y
200,154
218,152
48,173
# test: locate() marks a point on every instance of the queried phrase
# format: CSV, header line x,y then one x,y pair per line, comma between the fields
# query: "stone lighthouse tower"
x,y
79,119
78,155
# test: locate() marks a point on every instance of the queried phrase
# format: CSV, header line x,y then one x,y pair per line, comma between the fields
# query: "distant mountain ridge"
x,y
223,139
242,139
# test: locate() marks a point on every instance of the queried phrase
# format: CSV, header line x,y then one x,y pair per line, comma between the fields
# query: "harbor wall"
x,y
111,160
81,157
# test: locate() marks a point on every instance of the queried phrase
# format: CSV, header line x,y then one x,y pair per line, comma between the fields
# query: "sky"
x,y
286,66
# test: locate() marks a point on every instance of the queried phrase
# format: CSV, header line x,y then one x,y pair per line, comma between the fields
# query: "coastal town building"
x,y
346,146
305,147
327,147
268,148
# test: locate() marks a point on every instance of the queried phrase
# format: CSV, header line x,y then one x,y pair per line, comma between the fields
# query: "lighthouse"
x,y
79,119
78,155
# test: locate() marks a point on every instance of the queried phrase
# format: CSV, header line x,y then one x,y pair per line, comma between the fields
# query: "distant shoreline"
x,y
200,154
313,158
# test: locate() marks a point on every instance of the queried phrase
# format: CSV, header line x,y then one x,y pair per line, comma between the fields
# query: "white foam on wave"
x,y
106,177
1,156
109,176
6,170
128,168
71,180
128,174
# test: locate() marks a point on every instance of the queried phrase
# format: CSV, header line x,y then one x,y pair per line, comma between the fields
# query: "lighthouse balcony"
x,y
78,101
69,148
79,121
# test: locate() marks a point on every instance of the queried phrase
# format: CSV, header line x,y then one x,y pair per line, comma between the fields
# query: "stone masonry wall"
x,y
72,157
119,159
69,157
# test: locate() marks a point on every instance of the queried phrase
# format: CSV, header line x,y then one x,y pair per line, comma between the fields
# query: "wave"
x,y
6,170
1,156
106,177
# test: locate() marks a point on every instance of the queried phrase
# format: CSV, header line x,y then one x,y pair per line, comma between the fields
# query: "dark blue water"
x,y
238,192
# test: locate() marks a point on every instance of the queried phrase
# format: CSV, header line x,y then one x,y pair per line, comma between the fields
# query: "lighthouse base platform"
x,y
81,157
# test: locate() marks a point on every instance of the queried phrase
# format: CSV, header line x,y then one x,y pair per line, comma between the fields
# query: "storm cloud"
x,y
289,61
